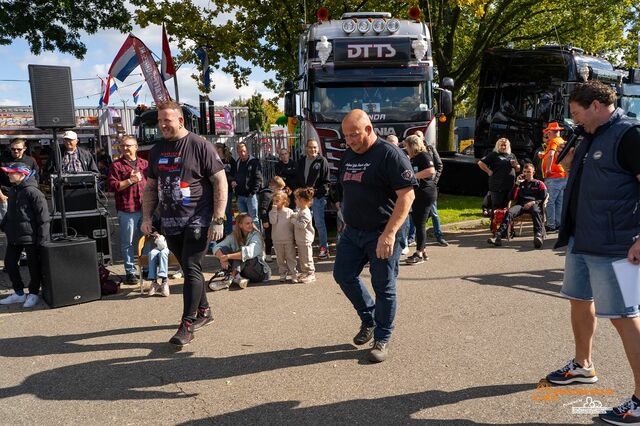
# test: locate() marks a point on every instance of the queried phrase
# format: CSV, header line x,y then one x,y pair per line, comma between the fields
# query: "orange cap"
x,y
553,127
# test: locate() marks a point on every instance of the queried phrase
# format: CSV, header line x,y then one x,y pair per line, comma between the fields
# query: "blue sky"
x,y
101,49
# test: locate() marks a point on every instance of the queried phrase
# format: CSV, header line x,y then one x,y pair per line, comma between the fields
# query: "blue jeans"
x,y
412,229
354,250
317,211
403,233
129,236
554,206
158,257
435,219
249,205
228,223
591,278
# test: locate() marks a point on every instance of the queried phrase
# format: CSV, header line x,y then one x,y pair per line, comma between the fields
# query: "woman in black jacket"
x,y
26,226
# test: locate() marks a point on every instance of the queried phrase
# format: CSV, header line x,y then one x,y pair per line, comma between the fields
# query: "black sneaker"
x,y
414,259
184,335
496,241
203,319
379,351
537,241
442,242
131,279
550,229
624,414
572,373
324,253
365,334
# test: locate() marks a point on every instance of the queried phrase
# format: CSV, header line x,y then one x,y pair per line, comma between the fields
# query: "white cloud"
x,y
9,102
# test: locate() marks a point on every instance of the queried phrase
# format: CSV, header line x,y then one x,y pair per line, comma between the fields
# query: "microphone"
x,y
577,132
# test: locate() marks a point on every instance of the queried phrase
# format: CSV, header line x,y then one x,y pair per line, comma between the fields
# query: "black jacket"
x,y
318,177
288,172
86,159
27,218
437,162
265,200
248,177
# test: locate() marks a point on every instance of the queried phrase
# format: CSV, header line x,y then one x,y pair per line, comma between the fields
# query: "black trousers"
x,y
420,210
190,247
499,199
12,263
517,210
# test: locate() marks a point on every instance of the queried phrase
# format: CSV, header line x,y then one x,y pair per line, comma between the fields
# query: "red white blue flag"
x,y
167,69
125,61
136,94
104,100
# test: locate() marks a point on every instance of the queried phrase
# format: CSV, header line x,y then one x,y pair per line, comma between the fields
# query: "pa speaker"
x,y
52,97
70,272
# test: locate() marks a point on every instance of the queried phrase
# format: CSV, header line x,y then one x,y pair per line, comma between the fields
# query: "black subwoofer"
x,y
70,272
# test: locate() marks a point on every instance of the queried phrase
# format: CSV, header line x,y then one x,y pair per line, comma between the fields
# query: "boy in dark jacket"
x,y
26,226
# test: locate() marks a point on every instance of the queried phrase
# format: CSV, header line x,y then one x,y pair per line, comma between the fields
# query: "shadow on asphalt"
x,y
126,378
478,239
543,281
380,411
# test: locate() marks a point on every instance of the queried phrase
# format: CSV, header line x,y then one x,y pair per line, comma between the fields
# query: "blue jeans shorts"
x,y
591,278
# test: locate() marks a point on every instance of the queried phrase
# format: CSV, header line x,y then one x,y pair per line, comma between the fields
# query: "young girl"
x,y
282,234
304,233
265,197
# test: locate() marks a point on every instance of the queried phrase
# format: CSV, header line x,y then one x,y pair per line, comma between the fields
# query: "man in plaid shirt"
x,y
127,180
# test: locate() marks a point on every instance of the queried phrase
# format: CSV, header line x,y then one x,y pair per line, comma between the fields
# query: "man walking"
x,y
313,172
377,183
247,183
600,225
186,178
126,180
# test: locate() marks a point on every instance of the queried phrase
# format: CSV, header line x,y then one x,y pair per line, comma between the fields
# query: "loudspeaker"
x,y
94,225
80,192
52,97
70,272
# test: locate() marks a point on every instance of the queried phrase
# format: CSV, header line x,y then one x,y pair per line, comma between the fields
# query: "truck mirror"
x,y
289,86
290,104
447,83
446,102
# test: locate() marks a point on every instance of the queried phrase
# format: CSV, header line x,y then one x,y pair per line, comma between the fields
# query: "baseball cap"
x,y
70,135
17,168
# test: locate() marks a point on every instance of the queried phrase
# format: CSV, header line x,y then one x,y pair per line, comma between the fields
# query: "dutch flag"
x,y
125,61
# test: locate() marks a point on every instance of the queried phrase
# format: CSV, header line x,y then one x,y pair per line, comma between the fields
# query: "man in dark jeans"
x,y
377,183
186,179
247,182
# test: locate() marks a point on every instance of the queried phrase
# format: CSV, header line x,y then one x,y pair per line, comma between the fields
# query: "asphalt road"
x,y
477,328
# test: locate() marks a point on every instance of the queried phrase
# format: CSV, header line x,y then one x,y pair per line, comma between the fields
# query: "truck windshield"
x,y
391,103
631,105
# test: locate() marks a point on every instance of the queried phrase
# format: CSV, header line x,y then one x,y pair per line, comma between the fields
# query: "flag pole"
x,y
175,84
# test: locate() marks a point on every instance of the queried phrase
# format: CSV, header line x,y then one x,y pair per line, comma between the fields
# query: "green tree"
x,y
56,25
257,114
272,111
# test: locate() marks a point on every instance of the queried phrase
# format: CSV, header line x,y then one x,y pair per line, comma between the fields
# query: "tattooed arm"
x,y
149,204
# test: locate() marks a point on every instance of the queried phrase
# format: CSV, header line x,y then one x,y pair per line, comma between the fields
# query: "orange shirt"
x,y
557,171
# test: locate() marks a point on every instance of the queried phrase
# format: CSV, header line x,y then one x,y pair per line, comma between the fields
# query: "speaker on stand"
x,y
70,266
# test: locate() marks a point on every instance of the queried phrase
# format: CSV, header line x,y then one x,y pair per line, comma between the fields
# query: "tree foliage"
x,y
57,25
257,114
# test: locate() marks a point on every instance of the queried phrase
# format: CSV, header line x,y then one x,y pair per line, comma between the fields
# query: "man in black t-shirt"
x,y
376,181
186,179
600,226
16,154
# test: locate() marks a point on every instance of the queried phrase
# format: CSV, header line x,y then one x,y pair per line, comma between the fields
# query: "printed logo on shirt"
x,y
316,166
163,160
407,175
354,172
352,177
597,155
185,192
177,160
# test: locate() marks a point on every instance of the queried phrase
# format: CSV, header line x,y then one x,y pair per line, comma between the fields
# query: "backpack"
x,y
498,217
107,286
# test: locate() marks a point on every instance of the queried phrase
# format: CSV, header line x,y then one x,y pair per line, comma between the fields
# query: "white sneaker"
x,y
177,275
164,289
241,281
14,298
153,289
405,251
32,300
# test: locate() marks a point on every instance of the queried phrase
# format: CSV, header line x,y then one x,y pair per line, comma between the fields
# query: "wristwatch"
x,y
218,220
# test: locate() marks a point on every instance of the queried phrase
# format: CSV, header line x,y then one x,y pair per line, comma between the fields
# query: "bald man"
x,y
376,181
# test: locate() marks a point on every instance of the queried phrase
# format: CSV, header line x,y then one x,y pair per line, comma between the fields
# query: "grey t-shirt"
x,y
307,165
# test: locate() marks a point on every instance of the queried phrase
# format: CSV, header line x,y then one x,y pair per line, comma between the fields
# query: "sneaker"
x,y
203,319
537,241
241,281
284,278
573,373
14,298
324,253
405,251
184,335
414,259
220,285
496,241
294,278
379,351
32,300
365,334
177,275
624,414
442,242
154,288
164,288
308,278
412,242
550,229
131,279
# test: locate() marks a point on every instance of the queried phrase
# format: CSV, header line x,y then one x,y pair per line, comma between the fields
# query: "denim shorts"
x,y
588,277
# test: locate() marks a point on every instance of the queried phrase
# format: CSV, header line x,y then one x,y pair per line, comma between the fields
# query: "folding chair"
x,y
526,218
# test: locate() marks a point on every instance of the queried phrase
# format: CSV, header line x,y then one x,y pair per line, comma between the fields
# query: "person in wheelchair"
x,y
529,195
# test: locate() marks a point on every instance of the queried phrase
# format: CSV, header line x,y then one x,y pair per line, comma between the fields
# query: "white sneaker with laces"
x,y
14,298
32,300
405,251
164,289
241,281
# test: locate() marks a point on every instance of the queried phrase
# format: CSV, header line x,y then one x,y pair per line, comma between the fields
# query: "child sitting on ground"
x,y
282,234
304,233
